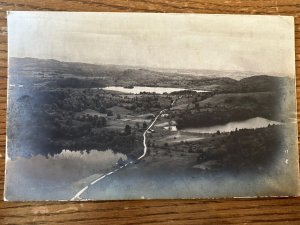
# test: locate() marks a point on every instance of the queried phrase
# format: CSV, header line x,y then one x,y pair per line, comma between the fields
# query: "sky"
x,y
263,44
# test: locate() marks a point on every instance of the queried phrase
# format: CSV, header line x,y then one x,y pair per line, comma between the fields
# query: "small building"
x,y
150,131
165,115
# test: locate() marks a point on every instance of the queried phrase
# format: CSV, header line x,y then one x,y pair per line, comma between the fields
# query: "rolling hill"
x,y
221,81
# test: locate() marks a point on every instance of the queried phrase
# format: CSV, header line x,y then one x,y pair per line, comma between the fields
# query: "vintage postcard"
x,y
150,106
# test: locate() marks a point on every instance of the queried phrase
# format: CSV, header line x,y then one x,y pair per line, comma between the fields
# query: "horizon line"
x,y
255,73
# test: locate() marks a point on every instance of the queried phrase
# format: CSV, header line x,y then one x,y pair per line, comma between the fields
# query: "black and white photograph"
x,y
112,106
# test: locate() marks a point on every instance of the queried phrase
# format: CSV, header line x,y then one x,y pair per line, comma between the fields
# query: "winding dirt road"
x,y
79,193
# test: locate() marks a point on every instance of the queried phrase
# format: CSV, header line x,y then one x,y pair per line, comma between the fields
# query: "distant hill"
x,y
236,75
129,75
260,83
110,74
30,66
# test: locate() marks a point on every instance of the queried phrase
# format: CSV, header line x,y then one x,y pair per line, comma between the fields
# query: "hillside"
x,y
33,66
63,74
259,83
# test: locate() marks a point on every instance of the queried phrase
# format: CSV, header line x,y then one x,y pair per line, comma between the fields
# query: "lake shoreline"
x,y
148,89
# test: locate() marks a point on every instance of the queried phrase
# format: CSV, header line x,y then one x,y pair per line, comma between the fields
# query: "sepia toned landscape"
x,y
84,131
189,126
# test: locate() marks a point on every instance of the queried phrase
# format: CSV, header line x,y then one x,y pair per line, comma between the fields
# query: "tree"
x,y
137,124
118,116
109,113
120,162
127,129
103,121
95,118
145,125
102,109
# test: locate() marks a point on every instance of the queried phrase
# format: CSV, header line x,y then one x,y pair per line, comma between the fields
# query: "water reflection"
x,y
253,123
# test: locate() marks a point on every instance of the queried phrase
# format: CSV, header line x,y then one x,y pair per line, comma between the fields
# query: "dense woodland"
x,y
48,120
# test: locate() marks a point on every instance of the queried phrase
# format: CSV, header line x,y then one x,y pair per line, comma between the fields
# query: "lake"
x,y
253,123
138,89
58,177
